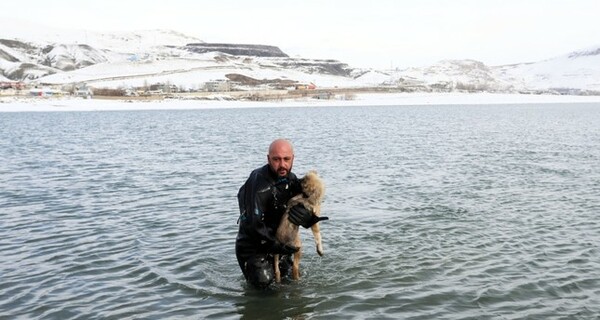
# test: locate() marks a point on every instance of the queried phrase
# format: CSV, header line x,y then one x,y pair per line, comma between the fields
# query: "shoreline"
x,y
33,104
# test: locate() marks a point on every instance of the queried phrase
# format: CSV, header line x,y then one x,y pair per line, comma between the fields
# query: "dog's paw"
x,y
320,250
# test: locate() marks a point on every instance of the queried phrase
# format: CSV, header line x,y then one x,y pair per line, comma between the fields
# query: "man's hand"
x,y
299,215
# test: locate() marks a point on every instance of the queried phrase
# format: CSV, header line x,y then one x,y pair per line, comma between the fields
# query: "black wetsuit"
x,y
262,201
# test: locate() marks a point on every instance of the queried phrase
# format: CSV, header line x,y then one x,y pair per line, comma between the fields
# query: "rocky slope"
x,y
236,49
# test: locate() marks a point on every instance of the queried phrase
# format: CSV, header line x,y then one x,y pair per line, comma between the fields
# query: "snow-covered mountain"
x,y
449,75
31,56
155,56
111,60
576,72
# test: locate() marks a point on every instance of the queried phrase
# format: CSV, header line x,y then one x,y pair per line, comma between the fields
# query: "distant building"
x,y
164,88
17,85
218,86
324,96
45,92
83,91
158,92
310,86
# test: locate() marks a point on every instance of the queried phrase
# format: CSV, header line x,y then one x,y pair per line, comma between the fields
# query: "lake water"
x,y
437,212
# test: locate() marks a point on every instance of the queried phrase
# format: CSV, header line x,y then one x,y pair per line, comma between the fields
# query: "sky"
x,y
380,34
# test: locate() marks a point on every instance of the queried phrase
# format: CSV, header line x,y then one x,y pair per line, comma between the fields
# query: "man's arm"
x,y
256,196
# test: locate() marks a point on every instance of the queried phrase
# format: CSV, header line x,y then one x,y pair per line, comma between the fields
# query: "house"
x,y
310,86
217,86
83,91
158,92
163,88
324,95
16,85
45,92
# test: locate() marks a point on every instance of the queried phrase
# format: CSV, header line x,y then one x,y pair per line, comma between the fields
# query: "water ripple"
x,y
452,212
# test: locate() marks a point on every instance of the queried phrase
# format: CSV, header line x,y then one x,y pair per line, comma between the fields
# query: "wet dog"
x,y
313,190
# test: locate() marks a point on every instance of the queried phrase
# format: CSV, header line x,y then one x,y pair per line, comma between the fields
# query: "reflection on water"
x,y
436,212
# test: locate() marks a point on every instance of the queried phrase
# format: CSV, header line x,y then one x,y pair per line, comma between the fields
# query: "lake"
x,y
436,212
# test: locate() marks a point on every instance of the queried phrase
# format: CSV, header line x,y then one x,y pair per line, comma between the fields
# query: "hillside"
x,y
576,72
134,59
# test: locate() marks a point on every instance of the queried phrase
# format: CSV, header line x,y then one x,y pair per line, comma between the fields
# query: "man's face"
x,y
281,158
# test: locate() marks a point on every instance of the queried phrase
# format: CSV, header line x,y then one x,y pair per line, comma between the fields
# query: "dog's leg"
x,y
296,265
297,257
316,231
317,235
276,265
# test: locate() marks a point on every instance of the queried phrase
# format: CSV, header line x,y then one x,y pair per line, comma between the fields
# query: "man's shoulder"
x,y
260,171
259,174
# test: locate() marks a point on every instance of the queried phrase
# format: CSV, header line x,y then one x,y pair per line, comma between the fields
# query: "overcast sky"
x,y
376,33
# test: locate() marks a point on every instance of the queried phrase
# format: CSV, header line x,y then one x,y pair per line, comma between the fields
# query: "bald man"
x,y
262,201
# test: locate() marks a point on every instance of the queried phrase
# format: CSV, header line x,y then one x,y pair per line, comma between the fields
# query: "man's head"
x,y
281,157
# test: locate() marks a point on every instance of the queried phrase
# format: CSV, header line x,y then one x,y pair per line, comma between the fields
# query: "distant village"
x,y
240,88
224,89
18,88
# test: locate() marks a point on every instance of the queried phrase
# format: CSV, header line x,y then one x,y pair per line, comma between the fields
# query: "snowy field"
x,y
11,104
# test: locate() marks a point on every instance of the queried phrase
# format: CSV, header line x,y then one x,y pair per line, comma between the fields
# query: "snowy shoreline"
x,y
12,104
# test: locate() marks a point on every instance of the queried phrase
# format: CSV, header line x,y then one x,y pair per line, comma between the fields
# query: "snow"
x,y
191,71
12,104
582,72
18,29
139,58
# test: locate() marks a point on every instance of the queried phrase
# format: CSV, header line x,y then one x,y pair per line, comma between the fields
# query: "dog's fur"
x,y
313,191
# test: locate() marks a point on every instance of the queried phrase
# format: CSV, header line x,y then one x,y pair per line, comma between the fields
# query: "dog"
x,y
313,191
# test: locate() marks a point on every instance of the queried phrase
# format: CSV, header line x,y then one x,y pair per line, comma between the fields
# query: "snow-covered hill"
x,y
576,72
50,56
30,56
147,57
451,75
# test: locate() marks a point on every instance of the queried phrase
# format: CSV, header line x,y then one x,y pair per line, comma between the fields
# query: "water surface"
x,y
437,212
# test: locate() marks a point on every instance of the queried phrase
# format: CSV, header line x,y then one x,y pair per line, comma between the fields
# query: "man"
x,y
262,201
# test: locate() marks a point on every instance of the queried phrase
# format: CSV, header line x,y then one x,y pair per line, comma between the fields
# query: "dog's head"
x,y
313,187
